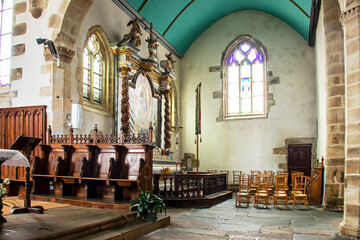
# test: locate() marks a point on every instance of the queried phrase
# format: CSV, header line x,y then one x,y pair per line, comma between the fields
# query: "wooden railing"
x,y
98,138
189,185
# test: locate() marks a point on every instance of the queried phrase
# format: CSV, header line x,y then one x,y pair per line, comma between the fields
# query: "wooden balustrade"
x,y
189,185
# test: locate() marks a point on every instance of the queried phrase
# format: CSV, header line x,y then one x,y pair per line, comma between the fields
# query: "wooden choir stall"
x,y
109,167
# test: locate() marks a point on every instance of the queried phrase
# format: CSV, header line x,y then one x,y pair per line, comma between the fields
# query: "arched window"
x,y
98,72
244,66
6,13
93,65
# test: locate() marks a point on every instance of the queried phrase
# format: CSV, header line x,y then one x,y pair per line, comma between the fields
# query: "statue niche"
x,y
144,106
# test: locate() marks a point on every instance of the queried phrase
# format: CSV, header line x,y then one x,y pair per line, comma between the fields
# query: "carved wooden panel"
x,y
26,121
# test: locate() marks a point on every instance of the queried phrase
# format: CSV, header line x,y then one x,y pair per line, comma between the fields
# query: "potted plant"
x,y
147,205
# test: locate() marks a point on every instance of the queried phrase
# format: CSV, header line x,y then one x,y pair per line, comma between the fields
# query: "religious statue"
x,y
169,64
152,44
132,37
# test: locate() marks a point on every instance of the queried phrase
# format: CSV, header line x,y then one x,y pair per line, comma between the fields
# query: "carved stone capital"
x,y
65,54
352,11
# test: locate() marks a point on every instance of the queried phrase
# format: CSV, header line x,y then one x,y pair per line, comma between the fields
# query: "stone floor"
x,y
224,221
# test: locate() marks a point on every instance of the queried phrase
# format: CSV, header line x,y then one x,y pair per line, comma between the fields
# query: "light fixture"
x,y
50,44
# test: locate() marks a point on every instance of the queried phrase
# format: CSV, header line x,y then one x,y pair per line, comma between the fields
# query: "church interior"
x,y
192,100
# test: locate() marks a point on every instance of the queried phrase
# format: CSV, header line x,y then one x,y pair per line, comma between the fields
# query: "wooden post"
x,y
197,153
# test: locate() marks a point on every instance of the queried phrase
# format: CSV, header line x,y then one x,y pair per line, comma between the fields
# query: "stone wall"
x,y
249,144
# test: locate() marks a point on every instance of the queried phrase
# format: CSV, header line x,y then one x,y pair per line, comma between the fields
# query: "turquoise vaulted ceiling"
x,y
188,25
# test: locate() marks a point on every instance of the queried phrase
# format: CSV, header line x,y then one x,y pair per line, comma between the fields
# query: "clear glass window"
x,y
6,14
93,76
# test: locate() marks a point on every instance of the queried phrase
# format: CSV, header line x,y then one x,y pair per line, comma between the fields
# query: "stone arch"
x,y
73,17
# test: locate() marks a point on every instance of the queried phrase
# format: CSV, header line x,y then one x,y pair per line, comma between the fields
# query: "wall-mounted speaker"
x,y
76,115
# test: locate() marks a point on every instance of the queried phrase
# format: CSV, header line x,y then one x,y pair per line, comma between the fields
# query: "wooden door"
x,y
300,158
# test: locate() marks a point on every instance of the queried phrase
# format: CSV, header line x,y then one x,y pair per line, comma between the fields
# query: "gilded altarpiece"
x,y
142,83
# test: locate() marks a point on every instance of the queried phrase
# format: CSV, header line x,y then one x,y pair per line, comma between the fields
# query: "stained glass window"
x,y
6,14
92,71
244,80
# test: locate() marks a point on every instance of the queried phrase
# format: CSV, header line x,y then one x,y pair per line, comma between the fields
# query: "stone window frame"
x,y
228,50
106,105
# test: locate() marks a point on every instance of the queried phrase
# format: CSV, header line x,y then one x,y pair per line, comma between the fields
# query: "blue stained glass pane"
x,y
245,88
245,47
231,59
252,55
261,58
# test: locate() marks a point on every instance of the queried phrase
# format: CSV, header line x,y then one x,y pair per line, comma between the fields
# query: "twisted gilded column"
x,y
167,138
125,110
350,19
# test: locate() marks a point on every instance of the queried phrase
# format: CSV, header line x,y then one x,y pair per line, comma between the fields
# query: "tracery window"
x,y
6,14
244,65
93,69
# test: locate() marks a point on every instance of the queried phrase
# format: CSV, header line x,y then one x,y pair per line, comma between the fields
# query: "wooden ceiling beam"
x,y
302,10
167,29
142,6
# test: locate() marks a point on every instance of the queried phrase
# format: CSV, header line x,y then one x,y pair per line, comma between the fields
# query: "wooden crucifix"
x,y
177,129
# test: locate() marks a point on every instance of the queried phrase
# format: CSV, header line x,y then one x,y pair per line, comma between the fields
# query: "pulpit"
x,y
25,144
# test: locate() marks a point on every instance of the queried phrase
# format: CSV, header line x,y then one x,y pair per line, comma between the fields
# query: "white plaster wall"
x,y
28,88
248,144
321,86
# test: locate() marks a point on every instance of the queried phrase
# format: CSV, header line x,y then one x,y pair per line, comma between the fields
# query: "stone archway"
x,y
65,37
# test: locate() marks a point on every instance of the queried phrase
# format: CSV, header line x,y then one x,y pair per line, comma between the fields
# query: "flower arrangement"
x,y
3,191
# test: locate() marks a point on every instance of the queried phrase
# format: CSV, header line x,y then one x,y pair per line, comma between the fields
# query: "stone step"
x,y
128,231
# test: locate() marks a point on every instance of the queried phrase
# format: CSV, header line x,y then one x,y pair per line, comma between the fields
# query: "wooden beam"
x,y
167,29
142,6
315,10
302,10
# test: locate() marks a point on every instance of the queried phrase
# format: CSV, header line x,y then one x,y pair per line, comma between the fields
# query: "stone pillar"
x,y
61,87
335,132
167,128
350,19
125,110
